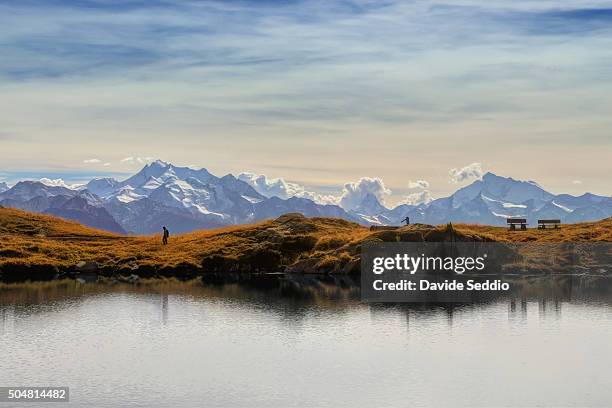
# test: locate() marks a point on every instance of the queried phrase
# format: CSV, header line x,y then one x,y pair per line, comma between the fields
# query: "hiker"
x,y
165,237
406,220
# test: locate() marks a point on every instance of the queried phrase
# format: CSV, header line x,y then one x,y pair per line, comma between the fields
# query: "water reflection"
x,y
170,343
164,307
550,293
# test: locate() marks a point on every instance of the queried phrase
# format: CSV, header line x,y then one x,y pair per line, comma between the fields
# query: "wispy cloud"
x,y
215,81
57,183
469,172
421,197
278,187
351,195
301,60
137,160
92,161
420,184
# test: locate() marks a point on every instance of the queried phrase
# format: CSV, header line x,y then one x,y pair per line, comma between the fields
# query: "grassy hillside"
x,y
39,243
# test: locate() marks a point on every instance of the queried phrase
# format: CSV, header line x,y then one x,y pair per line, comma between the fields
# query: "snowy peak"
x,y
158,172
102,186
516,191
493,198
187,199
82,201
502,189
26,190
369,206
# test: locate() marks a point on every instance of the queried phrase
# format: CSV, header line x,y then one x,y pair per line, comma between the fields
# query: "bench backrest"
x,y
516,221
549,221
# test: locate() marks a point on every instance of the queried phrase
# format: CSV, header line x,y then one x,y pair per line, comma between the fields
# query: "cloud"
x,y
106,164
421,197
420,184
278,187
354,192
92,161
57,183
265,73
577,182
327,199
137,160
269,187
349,198
471,171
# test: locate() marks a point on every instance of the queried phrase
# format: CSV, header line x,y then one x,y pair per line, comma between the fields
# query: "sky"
x,y
419,96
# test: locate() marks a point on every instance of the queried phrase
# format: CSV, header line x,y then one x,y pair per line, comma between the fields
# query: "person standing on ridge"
x,y
165,236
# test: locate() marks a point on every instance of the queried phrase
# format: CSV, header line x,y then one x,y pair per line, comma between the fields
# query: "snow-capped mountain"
x,y
493,198
185,199
181,198
3,187
27,190
81,206
369,206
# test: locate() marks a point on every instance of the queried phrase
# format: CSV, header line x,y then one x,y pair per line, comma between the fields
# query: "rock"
x,y
133,278
87,267
15,272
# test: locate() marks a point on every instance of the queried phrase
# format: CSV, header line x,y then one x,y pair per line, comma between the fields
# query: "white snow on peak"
x,y
489,198
127,195
183,185
252,199
370,218
534,183
511,205
503,215
504,204
564,208
152,183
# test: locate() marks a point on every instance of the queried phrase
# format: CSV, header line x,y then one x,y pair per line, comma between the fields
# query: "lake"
x,y
188,345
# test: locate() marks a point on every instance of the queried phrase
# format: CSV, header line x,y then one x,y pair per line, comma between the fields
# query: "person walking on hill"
x,y
165,236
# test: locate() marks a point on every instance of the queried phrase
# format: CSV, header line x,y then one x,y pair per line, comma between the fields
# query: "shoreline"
x,y
40,247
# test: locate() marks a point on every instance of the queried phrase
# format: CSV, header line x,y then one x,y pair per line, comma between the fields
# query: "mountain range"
x,y
186,199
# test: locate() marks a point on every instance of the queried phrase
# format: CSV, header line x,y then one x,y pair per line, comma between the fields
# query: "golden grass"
x,y
600,231
34,239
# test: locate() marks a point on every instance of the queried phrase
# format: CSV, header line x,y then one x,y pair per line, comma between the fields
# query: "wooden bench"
x,y
542,224
513,222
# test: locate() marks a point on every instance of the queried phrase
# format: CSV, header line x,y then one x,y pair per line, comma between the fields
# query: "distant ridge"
x,y
187,199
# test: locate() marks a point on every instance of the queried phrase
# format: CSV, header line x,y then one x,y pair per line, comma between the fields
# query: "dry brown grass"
x,y
600,231
29,238
322,243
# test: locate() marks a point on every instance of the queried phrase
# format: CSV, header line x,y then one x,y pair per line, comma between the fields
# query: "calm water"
x,y
185,345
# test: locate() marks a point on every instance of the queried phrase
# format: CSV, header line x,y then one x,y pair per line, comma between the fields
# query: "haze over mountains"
x,y
187,199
